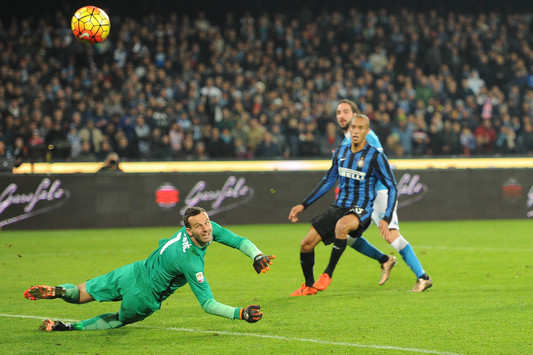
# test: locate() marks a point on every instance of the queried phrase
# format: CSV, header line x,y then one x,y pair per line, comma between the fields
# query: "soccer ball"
x,y
90,24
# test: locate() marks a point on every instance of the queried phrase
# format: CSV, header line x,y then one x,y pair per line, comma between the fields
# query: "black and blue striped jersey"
x,y
357,174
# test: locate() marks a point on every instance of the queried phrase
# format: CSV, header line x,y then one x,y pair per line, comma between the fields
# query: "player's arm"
x,y
223,235
202,291
251,314
327,182
386,176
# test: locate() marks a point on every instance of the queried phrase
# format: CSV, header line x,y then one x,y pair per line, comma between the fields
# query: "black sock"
x,y
384,259
338,248
308,261
424,277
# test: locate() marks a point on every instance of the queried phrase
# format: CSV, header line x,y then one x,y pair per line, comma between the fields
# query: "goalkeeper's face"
x,y
200,230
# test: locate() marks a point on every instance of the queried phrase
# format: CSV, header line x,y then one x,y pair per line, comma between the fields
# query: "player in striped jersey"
x,y
396,240
356,167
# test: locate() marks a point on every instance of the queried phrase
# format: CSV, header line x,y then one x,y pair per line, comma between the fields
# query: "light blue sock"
x,y
364,247
409,256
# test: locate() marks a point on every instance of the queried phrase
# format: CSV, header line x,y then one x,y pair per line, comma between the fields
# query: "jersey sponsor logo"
x,y
351,174
200,277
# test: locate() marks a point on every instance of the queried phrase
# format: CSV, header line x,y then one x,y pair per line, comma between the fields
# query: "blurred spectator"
x,y
3,151
188,149
267,148
506,141
37,147
420,137
125,150
485,136
452,138
404,133
92,135
200,152
436,142
468,142
241,151
308,146
525,139
331,140
20,151
105,150
229,145
141,136
217,147
74,141
255,134
86,154
160,148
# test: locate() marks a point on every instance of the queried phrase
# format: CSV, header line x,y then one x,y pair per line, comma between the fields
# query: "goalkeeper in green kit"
x,y
144,285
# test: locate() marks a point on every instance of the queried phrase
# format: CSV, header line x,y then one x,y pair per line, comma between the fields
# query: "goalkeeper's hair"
x,y
191,212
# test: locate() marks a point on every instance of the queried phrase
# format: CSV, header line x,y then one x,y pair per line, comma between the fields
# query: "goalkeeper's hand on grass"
x,y
252,313
262,261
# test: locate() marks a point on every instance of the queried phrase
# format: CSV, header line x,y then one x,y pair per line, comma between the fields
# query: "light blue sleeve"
x,y
373,140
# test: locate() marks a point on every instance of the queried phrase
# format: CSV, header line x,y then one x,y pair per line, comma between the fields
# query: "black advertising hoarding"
x,y
141,200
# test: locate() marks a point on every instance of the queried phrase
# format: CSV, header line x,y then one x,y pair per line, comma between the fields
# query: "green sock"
x,y
103,321
72,294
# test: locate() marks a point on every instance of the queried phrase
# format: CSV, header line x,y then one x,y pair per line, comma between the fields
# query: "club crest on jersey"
x,y
200,277
361,162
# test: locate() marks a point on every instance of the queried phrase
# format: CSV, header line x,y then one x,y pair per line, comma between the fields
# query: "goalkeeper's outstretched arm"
x,y
251,314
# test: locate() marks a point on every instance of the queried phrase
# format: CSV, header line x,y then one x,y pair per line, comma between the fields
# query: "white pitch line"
x,y
265,336
476,249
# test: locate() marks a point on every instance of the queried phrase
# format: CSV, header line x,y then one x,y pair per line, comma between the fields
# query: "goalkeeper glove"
x,y
261,263
252,313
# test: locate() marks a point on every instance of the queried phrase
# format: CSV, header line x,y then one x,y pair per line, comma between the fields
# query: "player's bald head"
x,y
365,118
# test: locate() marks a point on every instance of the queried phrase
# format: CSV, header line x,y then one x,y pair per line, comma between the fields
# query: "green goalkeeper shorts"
x,y
121,285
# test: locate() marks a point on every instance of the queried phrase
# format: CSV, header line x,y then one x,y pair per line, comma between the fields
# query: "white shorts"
x,y
380,206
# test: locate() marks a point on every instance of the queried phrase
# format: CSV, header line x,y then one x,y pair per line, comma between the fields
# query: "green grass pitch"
x,y
481,301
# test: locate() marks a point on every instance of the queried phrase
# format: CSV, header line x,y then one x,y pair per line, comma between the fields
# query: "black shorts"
x,y
325,223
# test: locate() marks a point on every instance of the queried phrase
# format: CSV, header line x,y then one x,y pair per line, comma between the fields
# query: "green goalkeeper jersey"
x,y
178,261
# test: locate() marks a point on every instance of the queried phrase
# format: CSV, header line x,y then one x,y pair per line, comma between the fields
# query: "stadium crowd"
x,y
172,87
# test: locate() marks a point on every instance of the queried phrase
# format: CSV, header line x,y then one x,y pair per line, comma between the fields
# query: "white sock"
x,y
399,243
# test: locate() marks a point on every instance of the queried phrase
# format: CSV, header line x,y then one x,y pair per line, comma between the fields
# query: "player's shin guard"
x,y
103,321
72,294
408,255
308,261
338,248
364,247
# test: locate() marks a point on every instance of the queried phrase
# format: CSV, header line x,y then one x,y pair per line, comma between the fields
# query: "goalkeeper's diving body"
x,y
143,285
